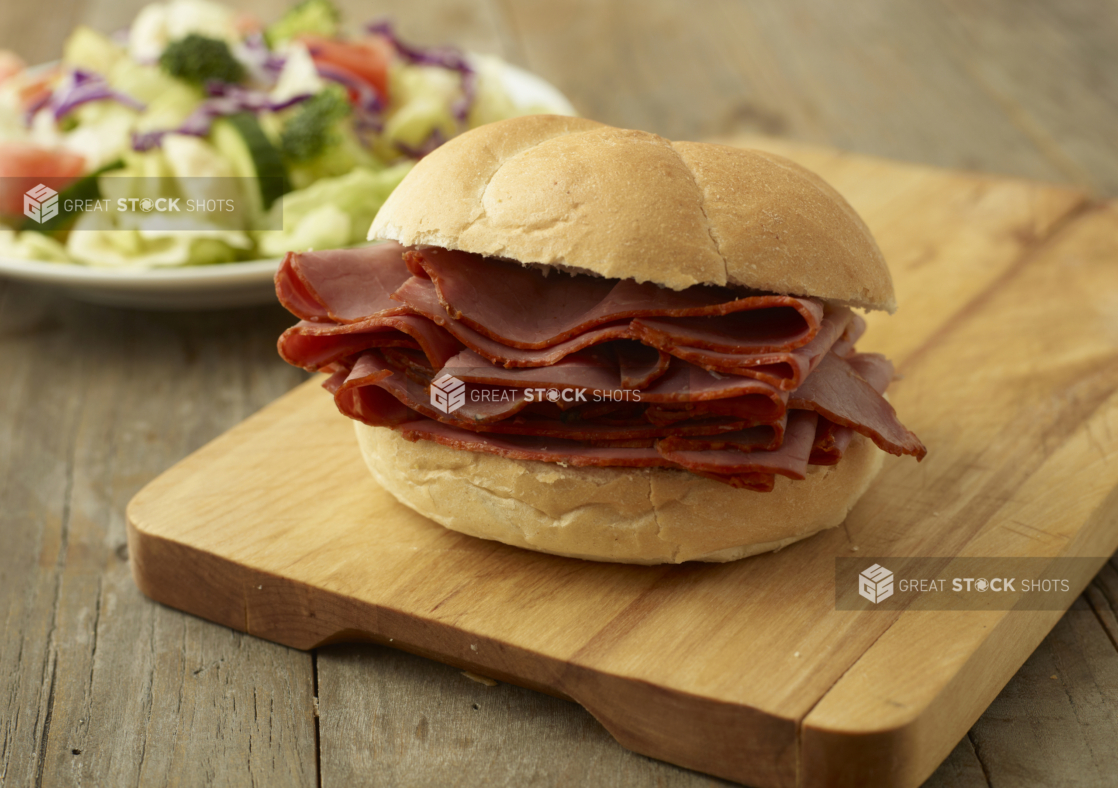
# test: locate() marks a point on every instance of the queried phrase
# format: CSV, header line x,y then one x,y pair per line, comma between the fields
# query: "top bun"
x,y
625,204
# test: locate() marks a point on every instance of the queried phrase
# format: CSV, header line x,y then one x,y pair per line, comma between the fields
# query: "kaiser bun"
x,y
625,204
627,515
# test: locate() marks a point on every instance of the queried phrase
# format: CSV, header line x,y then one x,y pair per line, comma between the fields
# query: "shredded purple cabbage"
x,y
82,87
443,56
268,59
33,109
262,63
368,102
249,99
368,126
434,140
225,99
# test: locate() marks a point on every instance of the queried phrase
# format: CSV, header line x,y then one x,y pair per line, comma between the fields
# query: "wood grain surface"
x,y
276,528
99,686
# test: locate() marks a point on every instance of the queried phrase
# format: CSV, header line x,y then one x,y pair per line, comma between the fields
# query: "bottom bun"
x,y
628,515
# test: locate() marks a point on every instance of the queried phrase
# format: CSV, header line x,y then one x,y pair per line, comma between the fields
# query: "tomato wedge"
x,y
35,88
367,58
24,165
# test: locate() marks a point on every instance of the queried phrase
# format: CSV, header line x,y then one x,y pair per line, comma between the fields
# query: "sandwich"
x,y
599,343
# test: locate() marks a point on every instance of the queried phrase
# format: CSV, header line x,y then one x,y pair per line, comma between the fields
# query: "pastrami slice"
x,y
342,285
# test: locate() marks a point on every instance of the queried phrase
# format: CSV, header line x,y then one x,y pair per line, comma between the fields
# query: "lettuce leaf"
x,y
331,212
30,245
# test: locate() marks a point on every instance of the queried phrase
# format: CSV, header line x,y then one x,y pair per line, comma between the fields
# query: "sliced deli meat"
x,y
785,369
522,306
762,437
738,387
419,295
499,409
836,391
342,285
789,459
637,364
358,396
373,371
772,324
685,383
315,346
593,372
598,432
832,439
619,368
873,368
854,330
831,442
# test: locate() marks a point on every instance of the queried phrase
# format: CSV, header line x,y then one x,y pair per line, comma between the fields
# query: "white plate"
x,y
216,286
196,287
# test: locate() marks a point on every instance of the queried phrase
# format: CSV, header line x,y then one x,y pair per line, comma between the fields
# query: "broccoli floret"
x,y
319,17
311,131
197,59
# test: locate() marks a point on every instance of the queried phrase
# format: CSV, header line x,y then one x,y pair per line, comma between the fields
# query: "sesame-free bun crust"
x,y
627,515
627,204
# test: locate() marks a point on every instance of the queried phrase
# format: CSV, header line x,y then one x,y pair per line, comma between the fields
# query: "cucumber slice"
x,y
93,51
252,155
80,192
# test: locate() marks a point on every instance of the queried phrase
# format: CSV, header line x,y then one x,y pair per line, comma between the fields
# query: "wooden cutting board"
x,y
1007,340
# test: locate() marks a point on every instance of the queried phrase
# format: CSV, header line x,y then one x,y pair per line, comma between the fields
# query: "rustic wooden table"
x,y
100,686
